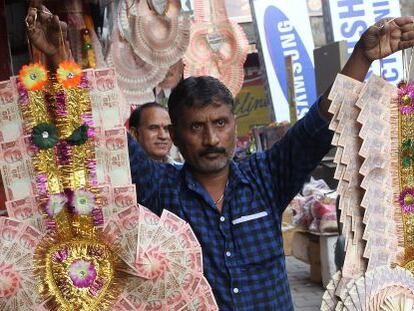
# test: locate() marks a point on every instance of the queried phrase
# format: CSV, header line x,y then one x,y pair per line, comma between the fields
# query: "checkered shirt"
x,y
242,246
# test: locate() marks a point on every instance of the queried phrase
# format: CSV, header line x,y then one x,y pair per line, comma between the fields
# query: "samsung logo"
x,y
283,40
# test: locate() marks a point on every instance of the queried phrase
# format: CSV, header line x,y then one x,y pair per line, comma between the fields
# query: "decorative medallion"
x,y
69,74
159,40
218,47
79,273
159,6
34,77
215,40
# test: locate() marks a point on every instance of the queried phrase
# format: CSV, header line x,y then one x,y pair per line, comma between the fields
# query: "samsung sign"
x,y
284,30
350,18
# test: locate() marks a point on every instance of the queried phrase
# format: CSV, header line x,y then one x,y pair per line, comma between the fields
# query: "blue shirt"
x,y
242,246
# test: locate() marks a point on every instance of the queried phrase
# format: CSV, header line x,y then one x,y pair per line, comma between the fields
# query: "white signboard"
x,y
350,18
284,29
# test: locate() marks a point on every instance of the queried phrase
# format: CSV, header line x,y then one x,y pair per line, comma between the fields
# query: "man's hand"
x,y
378,41
387,36
47,33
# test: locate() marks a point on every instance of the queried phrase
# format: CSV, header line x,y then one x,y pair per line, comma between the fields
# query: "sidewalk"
x,y
307,296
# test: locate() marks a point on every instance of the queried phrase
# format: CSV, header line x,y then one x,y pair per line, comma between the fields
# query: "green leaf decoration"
x,y
406,162
407,144
44,135
79,136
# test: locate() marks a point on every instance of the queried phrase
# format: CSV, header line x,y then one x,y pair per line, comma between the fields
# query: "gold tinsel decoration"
x,y
58,262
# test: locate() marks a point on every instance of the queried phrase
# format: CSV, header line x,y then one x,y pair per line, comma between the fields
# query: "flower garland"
x,y
39,126
58,118
75,268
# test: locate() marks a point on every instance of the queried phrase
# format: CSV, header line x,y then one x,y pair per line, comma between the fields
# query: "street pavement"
x,y
307,296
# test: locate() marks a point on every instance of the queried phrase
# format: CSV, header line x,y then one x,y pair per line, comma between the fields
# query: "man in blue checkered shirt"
x,y
235,209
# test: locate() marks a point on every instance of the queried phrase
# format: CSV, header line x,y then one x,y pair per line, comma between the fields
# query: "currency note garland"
x,y
75,266
74,262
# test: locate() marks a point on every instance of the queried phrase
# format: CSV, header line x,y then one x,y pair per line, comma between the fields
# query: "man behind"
x,y
149,125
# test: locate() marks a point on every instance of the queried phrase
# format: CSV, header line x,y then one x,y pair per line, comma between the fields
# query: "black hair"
x,y
197,91
135,117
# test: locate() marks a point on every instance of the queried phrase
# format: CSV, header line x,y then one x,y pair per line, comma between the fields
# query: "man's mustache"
x,y
212,150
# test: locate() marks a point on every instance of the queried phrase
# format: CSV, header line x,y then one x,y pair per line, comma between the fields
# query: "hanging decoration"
x,y
96,248
373,132
158,39
136,78
218,46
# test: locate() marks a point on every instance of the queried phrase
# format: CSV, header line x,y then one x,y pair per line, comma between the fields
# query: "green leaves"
x,y
79,136
44,135
407,153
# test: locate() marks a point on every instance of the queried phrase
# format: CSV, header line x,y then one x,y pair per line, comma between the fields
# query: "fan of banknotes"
x,y
164,261
17,285
383,288
329,299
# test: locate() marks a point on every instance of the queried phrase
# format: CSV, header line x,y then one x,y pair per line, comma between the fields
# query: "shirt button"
x,y
222,219
235,290
228,254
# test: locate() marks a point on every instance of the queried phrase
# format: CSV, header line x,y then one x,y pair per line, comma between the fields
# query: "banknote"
x,y
16,171
123,304
106,99
124,196
19,241
164,258
114,199
128,220
373,162
101,156
117,157
11,123
26,209
343,82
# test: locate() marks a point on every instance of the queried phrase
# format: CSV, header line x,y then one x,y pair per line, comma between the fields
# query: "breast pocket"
x,y
257,237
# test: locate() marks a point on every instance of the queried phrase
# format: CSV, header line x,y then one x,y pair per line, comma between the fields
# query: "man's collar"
x,y
235,176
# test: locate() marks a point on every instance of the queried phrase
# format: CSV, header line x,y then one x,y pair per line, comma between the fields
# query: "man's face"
x,y
153,134
206,136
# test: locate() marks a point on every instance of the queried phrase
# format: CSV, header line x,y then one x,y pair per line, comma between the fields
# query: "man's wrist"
x,y
359,50
358,64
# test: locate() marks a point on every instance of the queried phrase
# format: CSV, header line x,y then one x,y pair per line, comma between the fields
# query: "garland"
x,y
405,197
75,268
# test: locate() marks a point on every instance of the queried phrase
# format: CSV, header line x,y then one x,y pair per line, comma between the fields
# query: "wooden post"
x,y
291,89
5,57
